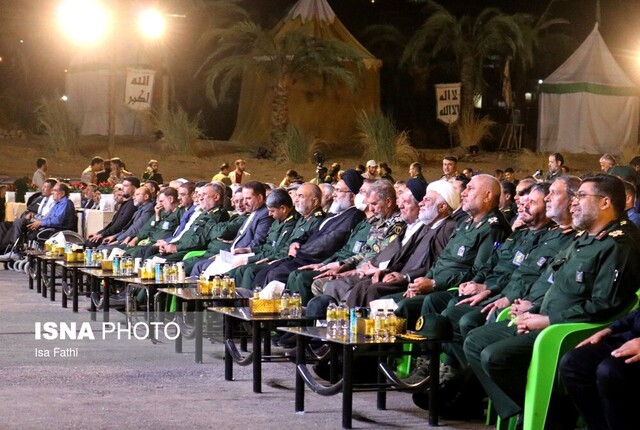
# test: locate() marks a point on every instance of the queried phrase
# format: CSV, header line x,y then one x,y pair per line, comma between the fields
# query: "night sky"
x,y
28,27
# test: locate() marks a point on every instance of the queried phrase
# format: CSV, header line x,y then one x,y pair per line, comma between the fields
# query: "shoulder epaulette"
x,y
289,218
616,233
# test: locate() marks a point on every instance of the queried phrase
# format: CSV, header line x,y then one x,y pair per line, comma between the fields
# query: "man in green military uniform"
x,y
300,280
291,225
471,245
160,226
210,201
218,235
594,280
496,272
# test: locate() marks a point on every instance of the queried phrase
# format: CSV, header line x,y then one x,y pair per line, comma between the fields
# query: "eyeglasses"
x,y
581,195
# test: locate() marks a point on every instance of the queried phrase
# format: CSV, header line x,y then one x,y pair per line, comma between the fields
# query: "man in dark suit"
x,y
254,230
144,210
122,217
327,239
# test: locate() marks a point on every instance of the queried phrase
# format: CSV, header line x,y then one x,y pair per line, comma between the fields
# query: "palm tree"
x,y
470,41
246,48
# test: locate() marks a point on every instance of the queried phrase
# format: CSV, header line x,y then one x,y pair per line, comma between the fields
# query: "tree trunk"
x,y
279,114
468,83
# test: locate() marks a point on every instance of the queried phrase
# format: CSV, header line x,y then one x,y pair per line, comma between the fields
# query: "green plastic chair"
x,y
549,347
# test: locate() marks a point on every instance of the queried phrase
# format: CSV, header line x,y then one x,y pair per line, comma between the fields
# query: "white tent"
x,y
87,90
588,104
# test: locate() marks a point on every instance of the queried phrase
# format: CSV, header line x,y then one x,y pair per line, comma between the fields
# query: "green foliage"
x,y
295,145
381,140
56,122
471,129
178,129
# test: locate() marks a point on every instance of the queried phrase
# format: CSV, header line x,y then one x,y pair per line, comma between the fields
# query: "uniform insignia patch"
x,y
518,258
420,323
616,233
461,251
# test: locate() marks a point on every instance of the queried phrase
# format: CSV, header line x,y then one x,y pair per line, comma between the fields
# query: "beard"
x,y
339,205
428,215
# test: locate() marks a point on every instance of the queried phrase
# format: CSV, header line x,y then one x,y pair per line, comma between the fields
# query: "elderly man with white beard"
x,y
429,213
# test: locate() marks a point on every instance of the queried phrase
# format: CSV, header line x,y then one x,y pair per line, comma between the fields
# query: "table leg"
x,y
198,330
38,275
31,260
301,346
95,288
105,302
177,314
434,383
52,281
381,397
347,386
63,301
257,357
75,274
228,335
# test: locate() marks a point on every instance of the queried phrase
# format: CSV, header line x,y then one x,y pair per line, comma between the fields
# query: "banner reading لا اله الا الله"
x,y
448,102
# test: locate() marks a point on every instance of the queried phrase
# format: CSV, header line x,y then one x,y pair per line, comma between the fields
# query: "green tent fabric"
x,y
589,104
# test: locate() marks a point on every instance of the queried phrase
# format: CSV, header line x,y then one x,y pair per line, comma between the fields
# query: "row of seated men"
x,y
568,257
50,210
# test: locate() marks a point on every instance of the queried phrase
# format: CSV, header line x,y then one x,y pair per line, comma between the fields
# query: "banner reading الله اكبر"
x,y
447,102
139,89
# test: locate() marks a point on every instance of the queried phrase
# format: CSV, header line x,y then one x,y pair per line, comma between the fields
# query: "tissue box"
x,y
107,265
264,306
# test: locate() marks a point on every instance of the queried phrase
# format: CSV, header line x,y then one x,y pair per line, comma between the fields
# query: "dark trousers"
x,y
603,388
500,358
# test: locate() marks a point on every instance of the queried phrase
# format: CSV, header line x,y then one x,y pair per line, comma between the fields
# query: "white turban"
x,y
446,190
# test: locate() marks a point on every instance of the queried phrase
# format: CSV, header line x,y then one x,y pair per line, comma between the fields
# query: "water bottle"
x,y
296,305
332,310
380,327
284,304
392,322
256,292
216,285
343,318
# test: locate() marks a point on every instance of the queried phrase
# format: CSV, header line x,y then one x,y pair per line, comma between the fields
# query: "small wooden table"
x,y
358,344
95,276
74,267
261,325
190,294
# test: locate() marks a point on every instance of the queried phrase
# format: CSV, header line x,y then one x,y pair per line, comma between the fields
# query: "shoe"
x,y
118,300
420,373
287,340
318,354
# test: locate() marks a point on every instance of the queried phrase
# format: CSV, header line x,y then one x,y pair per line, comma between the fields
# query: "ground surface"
x,y
17,158
115,384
